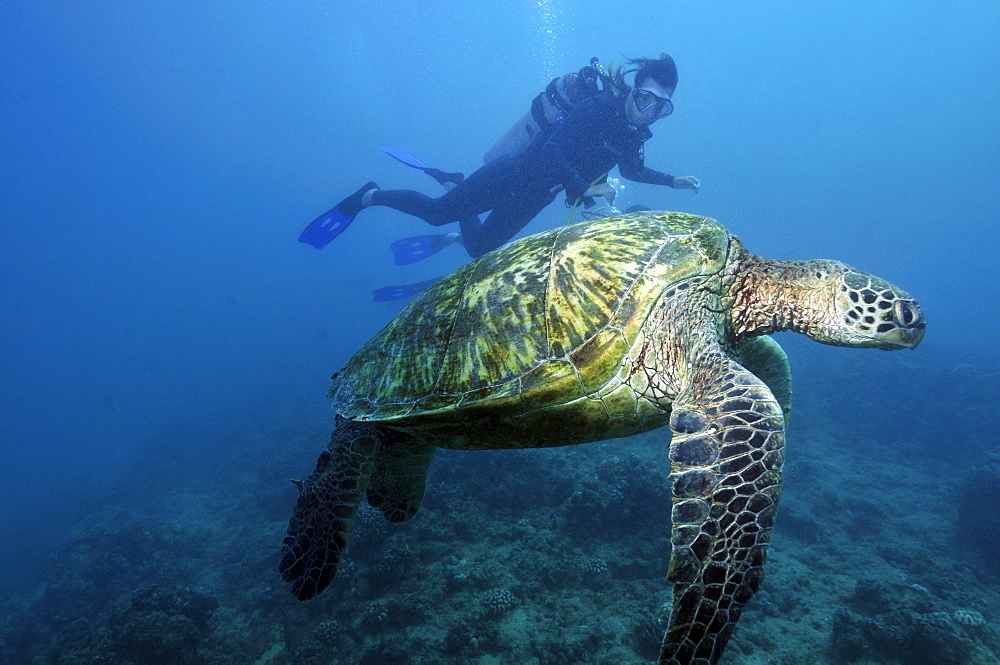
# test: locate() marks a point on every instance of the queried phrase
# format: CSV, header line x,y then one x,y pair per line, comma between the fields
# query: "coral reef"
x,y
626,491
978,504
497,601
560,558
904,622
159,627
595,568
968,618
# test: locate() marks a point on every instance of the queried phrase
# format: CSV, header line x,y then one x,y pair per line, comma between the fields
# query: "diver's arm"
x,y
631,167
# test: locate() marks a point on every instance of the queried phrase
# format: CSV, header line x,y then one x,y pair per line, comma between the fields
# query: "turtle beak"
x,y
910,326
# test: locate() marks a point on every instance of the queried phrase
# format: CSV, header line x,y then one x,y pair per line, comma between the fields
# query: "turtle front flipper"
x,y
726,454
328,501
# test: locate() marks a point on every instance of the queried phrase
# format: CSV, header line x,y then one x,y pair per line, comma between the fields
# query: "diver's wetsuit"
x,y
592,139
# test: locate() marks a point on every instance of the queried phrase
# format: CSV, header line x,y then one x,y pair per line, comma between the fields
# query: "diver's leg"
x,y
432,211
503,223
481,191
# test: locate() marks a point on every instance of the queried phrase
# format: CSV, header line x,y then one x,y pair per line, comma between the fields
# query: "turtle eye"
x,y
906,313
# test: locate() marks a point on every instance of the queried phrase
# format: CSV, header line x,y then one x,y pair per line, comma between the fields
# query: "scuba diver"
x,y
572,153
552,104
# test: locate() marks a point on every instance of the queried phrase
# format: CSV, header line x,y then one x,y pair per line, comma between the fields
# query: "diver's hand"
x,y
687,182
605,190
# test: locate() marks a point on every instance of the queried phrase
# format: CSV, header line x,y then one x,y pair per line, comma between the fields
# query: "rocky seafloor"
x,y
886,549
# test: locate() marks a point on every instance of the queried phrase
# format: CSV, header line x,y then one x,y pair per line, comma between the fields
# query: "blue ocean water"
x,y
158,160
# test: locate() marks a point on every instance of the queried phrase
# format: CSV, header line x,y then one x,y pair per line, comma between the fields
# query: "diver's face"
x,y
635,115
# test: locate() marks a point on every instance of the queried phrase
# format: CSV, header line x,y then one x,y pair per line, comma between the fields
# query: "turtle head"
x,y
877,313
863,310
829,301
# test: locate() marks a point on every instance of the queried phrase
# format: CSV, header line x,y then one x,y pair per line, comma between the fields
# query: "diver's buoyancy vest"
x,y
549,106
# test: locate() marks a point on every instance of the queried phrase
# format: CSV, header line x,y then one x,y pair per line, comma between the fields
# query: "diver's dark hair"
x,y
662,70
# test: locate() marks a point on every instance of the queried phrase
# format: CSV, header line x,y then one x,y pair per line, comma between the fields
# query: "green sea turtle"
x,y
588,332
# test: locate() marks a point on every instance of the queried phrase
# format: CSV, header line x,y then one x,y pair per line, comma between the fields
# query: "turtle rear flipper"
x,y
328,501
400,476
726,453
765,358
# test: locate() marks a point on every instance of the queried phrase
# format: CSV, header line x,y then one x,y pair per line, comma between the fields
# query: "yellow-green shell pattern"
x,y
541,322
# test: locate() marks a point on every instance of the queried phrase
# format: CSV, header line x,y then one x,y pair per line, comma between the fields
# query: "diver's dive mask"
x,y
652,105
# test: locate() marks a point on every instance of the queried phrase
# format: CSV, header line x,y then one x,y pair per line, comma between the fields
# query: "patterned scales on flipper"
x,y
726,454
589,332
328,500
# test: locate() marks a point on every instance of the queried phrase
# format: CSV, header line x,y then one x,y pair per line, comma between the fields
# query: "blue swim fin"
x,y
332,223
415,248
325,228
444,177
407,157
387,293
